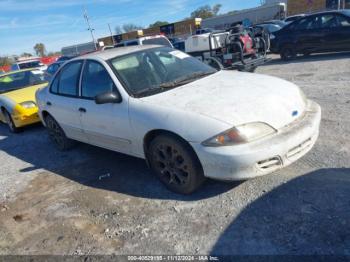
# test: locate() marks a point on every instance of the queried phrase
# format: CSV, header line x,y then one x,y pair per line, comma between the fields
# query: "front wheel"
x,y
175,164
57,135
10,123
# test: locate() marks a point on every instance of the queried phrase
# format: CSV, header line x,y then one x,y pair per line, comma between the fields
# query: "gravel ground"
x,y
93,201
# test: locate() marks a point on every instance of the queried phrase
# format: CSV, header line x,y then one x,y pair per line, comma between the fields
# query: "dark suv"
x,y
316,33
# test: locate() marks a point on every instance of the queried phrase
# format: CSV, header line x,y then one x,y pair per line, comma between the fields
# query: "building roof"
x,y
119,51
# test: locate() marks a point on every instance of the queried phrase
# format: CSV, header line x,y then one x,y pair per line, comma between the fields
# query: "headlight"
x,y
272,36
28,104
240,134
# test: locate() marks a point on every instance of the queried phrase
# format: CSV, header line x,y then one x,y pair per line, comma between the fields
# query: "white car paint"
x,y
196,112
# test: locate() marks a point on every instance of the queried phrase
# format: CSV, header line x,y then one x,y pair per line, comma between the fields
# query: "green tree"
x,y
131,27
158,23
40,49
206,11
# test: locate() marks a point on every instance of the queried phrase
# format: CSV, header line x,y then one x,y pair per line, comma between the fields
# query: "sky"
x,y
59,23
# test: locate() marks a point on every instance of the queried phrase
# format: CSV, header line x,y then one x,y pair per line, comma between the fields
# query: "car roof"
x,y
118,51
345,12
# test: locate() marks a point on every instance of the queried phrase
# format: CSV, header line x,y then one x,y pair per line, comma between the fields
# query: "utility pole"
x,y
89,27
339,4
110,30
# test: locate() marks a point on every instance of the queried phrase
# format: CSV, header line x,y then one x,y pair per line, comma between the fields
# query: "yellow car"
x,y
17,97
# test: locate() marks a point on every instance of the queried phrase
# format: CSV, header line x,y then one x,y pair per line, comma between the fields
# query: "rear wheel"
x,y
288,53
175,164
10,123
57,135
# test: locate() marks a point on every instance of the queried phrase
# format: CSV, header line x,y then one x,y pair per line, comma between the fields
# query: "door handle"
x,y
48,103
82,110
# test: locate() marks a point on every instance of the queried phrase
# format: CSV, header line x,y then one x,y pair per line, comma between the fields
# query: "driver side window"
x,y
96,80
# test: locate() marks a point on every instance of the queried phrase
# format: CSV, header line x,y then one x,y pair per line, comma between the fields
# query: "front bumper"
x,y
25,117
264,156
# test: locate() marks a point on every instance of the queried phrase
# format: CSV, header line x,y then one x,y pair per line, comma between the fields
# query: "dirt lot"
x,y
93,201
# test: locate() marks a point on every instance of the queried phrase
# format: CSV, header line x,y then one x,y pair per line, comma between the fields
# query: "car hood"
x,y
237,98
24,94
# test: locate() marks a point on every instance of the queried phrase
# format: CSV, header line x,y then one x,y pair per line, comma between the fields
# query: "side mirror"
x,y
108,98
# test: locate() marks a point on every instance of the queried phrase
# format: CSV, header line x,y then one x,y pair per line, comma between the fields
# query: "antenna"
x,y
89,27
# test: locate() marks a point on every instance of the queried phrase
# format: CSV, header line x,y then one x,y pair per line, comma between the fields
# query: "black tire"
x,y
57,135
10,123
288,53
175,164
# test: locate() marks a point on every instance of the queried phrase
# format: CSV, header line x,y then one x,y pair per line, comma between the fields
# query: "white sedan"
x,y
186,119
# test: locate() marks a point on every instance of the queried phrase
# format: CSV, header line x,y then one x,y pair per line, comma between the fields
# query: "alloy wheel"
x,y
172,165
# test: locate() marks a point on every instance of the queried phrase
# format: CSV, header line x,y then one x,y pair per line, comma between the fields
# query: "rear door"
x,y
64,103
106,125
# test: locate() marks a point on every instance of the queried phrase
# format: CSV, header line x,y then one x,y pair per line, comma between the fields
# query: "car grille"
x,y
271,163
299,149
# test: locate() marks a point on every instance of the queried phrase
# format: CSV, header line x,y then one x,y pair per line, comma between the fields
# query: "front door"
x,y
308,35
106,125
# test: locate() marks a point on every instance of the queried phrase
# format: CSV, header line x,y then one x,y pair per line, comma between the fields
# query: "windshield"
x,y
28,65
20,80
158,69
273,28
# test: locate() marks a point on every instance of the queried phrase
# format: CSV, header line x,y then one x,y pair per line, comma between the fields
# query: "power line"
x,y
89,27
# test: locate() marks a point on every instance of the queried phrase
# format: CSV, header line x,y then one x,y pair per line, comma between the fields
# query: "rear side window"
x,y
27,65
96,80
54,85
329,21
69,79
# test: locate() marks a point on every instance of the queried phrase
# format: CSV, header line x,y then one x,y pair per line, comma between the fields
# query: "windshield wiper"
x,y
148,91
185,79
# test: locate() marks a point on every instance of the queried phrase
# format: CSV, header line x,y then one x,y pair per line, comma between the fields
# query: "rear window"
x,y
156,41
28,65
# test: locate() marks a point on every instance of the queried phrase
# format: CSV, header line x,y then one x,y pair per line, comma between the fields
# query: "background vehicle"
x,y
27,64
147,40
17,98
237,48
52,69
317,33
186,119
280,23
